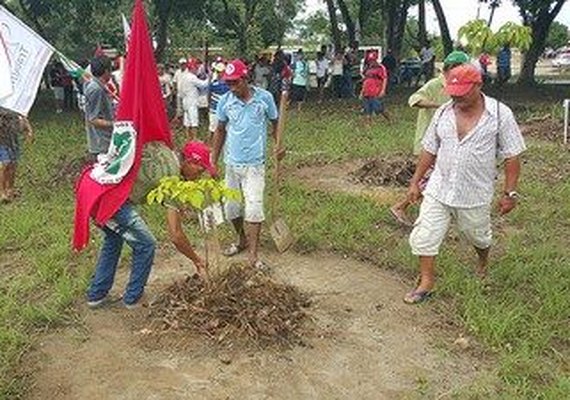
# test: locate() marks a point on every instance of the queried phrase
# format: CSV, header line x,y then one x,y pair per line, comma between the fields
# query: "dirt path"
x,y
368,345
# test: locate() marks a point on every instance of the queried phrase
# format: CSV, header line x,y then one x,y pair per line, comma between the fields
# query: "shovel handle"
x,y
278,141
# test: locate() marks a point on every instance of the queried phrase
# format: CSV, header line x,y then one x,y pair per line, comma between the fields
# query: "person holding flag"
x,y
103,191
98,107
190,86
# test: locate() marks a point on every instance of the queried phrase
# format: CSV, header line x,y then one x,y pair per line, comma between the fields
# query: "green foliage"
x,y
196,194
478,37
558,35
515,35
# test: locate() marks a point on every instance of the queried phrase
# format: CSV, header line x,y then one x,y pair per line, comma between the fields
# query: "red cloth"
x,y
141,102
372,85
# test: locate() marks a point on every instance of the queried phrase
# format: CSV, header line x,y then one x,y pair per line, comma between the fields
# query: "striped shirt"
x,y
465,171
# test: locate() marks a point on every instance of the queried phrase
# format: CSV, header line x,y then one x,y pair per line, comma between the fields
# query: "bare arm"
x,y
219,140
102,124
180,240
425,161
512,172
423,103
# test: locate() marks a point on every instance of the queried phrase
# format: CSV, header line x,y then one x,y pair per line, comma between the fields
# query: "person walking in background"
x,y
300,79
12,126
391,64
322,73
176,82
217,89
465,141
427,55
99,114
165,81
56,82
243,116
504,64
374,90
280,74
427,99
337,73
189,86
261,72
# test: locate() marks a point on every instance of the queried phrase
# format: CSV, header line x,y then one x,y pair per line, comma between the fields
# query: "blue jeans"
x,y
125,226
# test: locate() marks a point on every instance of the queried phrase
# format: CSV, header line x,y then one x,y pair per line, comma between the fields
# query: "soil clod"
x,y
393,171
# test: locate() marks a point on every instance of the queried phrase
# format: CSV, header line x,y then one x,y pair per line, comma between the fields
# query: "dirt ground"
x,y
337,178
366,344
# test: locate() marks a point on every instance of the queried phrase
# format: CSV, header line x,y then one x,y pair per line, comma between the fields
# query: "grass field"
x,y
522,316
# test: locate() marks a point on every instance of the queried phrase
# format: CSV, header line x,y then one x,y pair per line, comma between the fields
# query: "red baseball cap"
x,y
192,63
235,70
199,153
461,79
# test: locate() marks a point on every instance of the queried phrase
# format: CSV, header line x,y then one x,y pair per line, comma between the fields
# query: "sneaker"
x,y
94,304
133,306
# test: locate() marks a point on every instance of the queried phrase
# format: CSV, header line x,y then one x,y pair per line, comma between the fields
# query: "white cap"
x,y
182,60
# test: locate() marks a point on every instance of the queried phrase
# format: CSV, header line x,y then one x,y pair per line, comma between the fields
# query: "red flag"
x,y
142,104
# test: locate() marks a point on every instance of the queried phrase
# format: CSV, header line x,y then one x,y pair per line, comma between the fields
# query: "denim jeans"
x,y
125,226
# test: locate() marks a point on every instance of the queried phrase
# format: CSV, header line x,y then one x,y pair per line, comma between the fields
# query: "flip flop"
x,y
417,296
400,218
233,249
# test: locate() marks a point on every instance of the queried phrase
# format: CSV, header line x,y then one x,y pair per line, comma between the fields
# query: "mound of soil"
x,y
546,128
239,305
393,171
67,171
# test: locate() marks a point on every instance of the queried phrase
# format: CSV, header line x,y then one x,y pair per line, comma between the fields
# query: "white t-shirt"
x,y
189,85
322,67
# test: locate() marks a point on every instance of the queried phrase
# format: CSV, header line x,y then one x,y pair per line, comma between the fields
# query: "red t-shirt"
x,y
373,78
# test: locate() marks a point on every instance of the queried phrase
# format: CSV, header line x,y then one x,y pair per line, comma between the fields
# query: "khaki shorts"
x,y
433,222
250,181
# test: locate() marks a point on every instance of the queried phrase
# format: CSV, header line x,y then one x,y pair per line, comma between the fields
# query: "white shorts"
x,y
58,92
433,222
213,122
250,180
190,117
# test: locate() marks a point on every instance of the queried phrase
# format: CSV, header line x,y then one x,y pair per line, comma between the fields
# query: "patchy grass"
x,y
522,315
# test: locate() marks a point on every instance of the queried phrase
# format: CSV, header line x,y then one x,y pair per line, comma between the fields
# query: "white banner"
x,y
28,54
6,88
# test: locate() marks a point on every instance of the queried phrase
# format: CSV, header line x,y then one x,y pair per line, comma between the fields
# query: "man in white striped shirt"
x,y
465,140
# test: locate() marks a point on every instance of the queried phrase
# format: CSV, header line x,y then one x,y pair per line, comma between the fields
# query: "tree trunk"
x,y
163,8
347,19
335,33
402,13
443,28
540,27
364,12
422,37
490,21
396,15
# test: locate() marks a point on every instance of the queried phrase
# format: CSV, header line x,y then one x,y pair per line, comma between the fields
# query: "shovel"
x,y
280,232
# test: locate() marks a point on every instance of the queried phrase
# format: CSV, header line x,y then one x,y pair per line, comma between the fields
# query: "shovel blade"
x,y
281,235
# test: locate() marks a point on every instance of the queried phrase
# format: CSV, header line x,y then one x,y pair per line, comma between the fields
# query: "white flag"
x,y
28,54
6,88
126,30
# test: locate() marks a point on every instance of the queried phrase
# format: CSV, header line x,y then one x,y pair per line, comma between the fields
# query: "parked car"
x,y
562,60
